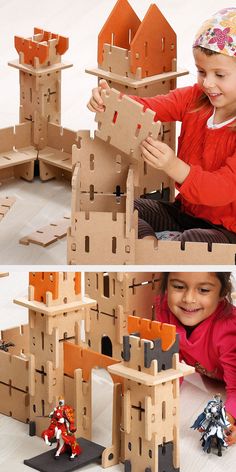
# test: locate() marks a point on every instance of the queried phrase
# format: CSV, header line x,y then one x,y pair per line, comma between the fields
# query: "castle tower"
x,y
151,372
136,58
40,69
139,57
118,295
56,310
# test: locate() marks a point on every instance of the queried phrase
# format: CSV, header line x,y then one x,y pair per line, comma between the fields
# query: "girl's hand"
x,y
231,435
160,156
157,154
95,103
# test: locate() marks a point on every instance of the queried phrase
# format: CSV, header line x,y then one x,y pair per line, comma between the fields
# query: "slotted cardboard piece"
x,y
119,235
125,124
14,403
57,154
150,404
79,362
16,151
93,156
14,371
169,252
135,292
118,295
19,336
5,205
48,234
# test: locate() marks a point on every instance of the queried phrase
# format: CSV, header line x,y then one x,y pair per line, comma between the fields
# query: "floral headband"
x,y
219,33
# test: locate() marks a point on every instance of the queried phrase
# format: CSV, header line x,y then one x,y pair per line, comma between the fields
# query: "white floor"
x,y
37,204
16,445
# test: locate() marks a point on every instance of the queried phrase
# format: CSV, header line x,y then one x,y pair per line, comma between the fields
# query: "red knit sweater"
x,y
209,191
211,347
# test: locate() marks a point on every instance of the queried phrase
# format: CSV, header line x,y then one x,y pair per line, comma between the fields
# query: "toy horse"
x,y
62,429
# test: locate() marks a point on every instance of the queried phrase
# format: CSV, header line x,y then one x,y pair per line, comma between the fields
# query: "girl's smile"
x,y
217,78
193,297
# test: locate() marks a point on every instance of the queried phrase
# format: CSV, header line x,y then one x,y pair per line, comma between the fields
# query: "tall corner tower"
x,y
40,69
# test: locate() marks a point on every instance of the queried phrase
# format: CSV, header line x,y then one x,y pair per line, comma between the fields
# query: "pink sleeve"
x,y
173,105
226,345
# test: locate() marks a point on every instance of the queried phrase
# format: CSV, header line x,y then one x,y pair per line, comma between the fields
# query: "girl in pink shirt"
x,y
198,304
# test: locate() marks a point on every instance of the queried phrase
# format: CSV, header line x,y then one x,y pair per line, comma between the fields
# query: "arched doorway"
x,y
106,346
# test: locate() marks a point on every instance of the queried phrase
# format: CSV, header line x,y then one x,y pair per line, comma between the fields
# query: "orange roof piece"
x,y
44,282
63,42
154,46
152,330
31,49
76,357
119,28
39,49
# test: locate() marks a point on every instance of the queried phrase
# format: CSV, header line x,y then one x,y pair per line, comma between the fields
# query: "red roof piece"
x,y
32,49
151,330
63,41
44,282
154,46
119,29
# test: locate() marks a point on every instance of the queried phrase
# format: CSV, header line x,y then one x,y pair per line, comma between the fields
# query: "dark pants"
x,y
155,216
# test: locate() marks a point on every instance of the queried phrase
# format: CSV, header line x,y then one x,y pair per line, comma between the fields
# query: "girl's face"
x,y
217,79
193,296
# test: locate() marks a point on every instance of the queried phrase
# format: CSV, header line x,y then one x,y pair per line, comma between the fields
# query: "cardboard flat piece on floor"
x,y
91,452
5,205
48,234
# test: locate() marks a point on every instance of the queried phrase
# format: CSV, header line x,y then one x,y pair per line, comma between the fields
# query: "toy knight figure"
x,y
62,428
213,423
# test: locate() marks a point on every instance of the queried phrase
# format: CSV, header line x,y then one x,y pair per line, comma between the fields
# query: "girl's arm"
x,y
211,188
224,338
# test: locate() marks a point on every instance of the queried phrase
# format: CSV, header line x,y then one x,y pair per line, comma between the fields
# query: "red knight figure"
x,y
62,428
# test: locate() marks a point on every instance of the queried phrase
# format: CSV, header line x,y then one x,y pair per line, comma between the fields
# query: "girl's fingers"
x,y
96,96
93,105
103,84
96,102
148,148
162,147
150,162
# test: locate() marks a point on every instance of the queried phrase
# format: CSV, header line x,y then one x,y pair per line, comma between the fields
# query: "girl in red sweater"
x,y
204,169
198,304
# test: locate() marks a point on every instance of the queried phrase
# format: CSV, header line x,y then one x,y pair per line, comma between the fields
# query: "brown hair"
x,y
224,278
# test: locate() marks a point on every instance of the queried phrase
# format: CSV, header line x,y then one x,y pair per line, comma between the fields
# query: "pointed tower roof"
x,y
119,29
